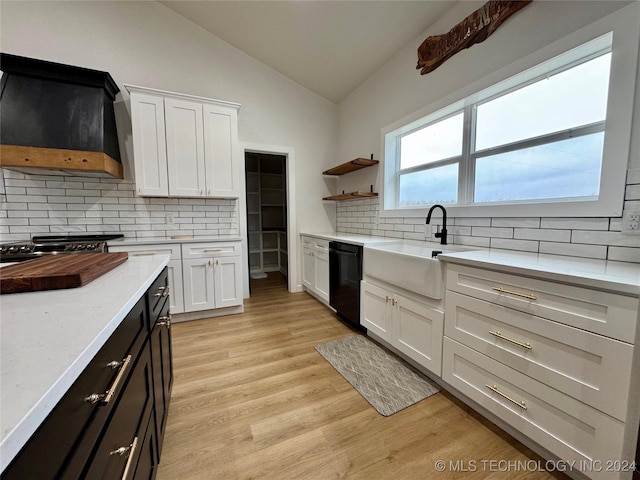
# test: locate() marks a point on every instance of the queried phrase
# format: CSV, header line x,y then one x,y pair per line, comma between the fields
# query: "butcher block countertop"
x,y
49,337
53,272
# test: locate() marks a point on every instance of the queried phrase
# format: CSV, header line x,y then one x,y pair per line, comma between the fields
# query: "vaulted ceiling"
x,y
329,47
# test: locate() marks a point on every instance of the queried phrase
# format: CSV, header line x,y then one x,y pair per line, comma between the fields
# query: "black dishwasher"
x,y
345,273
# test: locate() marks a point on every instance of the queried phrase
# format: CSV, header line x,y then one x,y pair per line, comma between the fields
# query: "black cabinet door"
x,y
162,370
157,295
120,445
148,461
59,449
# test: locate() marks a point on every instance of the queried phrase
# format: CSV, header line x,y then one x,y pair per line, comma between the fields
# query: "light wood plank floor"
x,y
252,399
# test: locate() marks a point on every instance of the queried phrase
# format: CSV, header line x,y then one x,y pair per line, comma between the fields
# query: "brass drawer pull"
x,y
130,452
209,250
493,388
517,294
105,398
164,321
162,292
142,254
515,342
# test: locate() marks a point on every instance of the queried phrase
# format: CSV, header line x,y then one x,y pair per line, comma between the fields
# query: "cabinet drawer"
x,y
75,421
604,313
137,250
129,421
584,365
566,427
321,245
316,244
207,250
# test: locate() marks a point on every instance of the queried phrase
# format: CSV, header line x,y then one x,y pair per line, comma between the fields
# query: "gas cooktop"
x,y
55,245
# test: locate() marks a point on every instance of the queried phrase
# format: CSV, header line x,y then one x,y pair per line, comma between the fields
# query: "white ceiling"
x,y
329,47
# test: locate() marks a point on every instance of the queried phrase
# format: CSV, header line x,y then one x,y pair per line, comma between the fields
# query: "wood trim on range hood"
x,y
17,157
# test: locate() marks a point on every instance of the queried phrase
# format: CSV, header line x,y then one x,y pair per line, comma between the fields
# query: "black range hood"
x,y
56,117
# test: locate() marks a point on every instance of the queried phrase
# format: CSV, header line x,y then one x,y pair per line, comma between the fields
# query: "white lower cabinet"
x,y
553,361
174,268
564,426
198,285
227,282
308,267
212,276
322,274
202,276
315,267
581,364
411,326
176,299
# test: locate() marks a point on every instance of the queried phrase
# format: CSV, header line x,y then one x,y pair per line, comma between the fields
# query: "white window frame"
x,y
623,25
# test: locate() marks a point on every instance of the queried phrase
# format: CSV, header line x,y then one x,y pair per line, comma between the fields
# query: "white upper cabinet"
x,y
149,144
184,146
221,151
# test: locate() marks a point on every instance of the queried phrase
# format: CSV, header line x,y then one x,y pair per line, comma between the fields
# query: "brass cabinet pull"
x,y
515,342
130,452
493,388
209,250
105,398
164,321
387,298
517,294
162,292
142,254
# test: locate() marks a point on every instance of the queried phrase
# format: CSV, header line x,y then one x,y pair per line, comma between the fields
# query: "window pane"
x,y
570,168
572,98
436,142
436,185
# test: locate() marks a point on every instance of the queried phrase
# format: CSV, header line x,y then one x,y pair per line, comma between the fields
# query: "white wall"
x,y
147,44
398,90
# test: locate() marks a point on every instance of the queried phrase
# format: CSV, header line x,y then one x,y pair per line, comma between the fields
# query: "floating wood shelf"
x,y
351,196
351,166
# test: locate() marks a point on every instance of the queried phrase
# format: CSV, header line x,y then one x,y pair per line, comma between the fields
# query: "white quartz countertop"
x,y
352,238
174,239
48,338
621,277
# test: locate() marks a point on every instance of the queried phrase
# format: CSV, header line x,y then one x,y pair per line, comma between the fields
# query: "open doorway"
x,y
267,235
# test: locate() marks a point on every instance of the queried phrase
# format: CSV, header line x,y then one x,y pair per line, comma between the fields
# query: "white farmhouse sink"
x,y
408,266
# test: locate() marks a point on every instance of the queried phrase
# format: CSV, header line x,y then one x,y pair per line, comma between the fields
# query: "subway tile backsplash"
x,y
599,238
40,204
